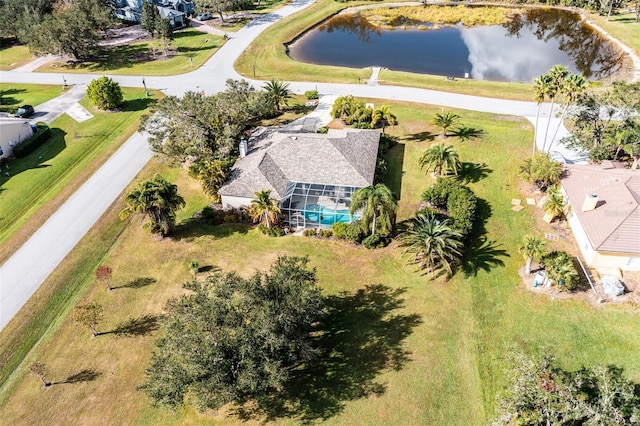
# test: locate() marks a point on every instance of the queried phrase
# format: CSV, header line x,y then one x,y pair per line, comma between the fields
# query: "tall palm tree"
x,y
264,208
531,248
442,159
436,246
539,84
574,85
445,120
555,204
384,116
279,92
157,199
557,75
378,206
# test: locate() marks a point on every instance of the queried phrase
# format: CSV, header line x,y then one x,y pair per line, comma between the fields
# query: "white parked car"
x,y
203,16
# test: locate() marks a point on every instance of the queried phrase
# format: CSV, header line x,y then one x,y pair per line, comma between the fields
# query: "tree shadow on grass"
x,y
191,229
425,136
395,164
134,327
86,375
49,150
473,172
138,104
360,338
139,283
480,253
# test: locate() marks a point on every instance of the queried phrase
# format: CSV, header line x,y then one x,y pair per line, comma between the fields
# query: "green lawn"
x,y
623,27
14,95
411,351
193,49
44,179
13,56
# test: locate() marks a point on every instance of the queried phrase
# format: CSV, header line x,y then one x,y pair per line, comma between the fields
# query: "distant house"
x,y
12,132
604,215
312,175
176,11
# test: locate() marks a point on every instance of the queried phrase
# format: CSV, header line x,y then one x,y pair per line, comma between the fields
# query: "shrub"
x,y
273,231
386,143
311,94
347,231
104,93
561,269
309,232
323,130
34,142
438,194
325,233
541,170
361,125
461,206
211,216
374,241
231,218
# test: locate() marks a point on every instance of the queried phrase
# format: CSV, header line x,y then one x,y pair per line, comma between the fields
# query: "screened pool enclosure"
x,y
310,205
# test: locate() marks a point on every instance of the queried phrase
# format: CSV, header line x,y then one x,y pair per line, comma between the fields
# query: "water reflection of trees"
x,y
354,24
587,49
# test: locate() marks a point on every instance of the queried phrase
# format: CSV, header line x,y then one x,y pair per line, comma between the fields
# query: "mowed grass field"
x,y
415,350
192,47
38,184
14,95
13,56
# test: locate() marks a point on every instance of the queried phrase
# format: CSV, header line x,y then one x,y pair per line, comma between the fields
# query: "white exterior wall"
x,y
229,201
598,260
12,132
624,262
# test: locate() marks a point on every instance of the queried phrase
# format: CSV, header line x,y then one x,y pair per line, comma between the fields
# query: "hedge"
x,y
34,142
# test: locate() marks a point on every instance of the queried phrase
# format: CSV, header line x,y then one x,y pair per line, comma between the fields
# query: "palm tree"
x,y
531,248
378,207
445,120
441,159
384,116
264,208
539,85
436,246
557,75
555,204
573,86
279,92
156,198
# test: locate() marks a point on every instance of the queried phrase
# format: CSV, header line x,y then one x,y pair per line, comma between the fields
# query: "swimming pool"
x,y
326,216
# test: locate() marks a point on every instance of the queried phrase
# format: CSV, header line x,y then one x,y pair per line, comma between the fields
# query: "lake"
x,y
523,48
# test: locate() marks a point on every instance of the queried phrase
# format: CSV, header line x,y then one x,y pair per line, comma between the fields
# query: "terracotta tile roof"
x,y
341,157
614,225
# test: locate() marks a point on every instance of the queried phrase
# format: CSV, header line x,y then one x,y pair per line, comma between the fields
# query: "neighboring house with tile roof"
x,y
312,175
604,214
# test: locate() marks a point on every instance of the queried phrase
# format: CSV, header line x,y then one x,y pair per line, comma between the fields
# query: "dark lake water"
x,y
519,50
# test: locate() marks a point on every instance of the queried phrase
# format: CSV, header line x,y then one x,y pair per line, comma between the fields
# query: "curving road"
x,y
21,276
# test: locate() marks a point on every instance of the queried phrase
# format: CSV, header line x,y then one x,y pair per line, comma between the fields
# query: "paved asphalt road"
x,y
25,271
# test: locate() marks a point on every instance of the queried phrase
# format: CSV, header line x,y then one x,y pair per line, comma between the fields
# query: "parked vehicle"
x,y
203,16
25,111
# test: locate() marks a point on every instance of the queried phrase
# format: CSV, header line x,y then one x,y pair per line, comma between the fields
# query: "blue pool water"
x,y
326,216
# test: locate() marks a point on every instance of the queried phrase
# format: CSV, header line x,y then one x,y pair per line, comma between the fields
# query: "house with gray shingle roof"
x,y
604,215
312,175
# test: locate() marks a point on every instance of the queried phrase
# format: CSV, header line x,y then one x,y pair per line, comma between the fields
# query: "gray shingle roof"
x,y
341,157
614,225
